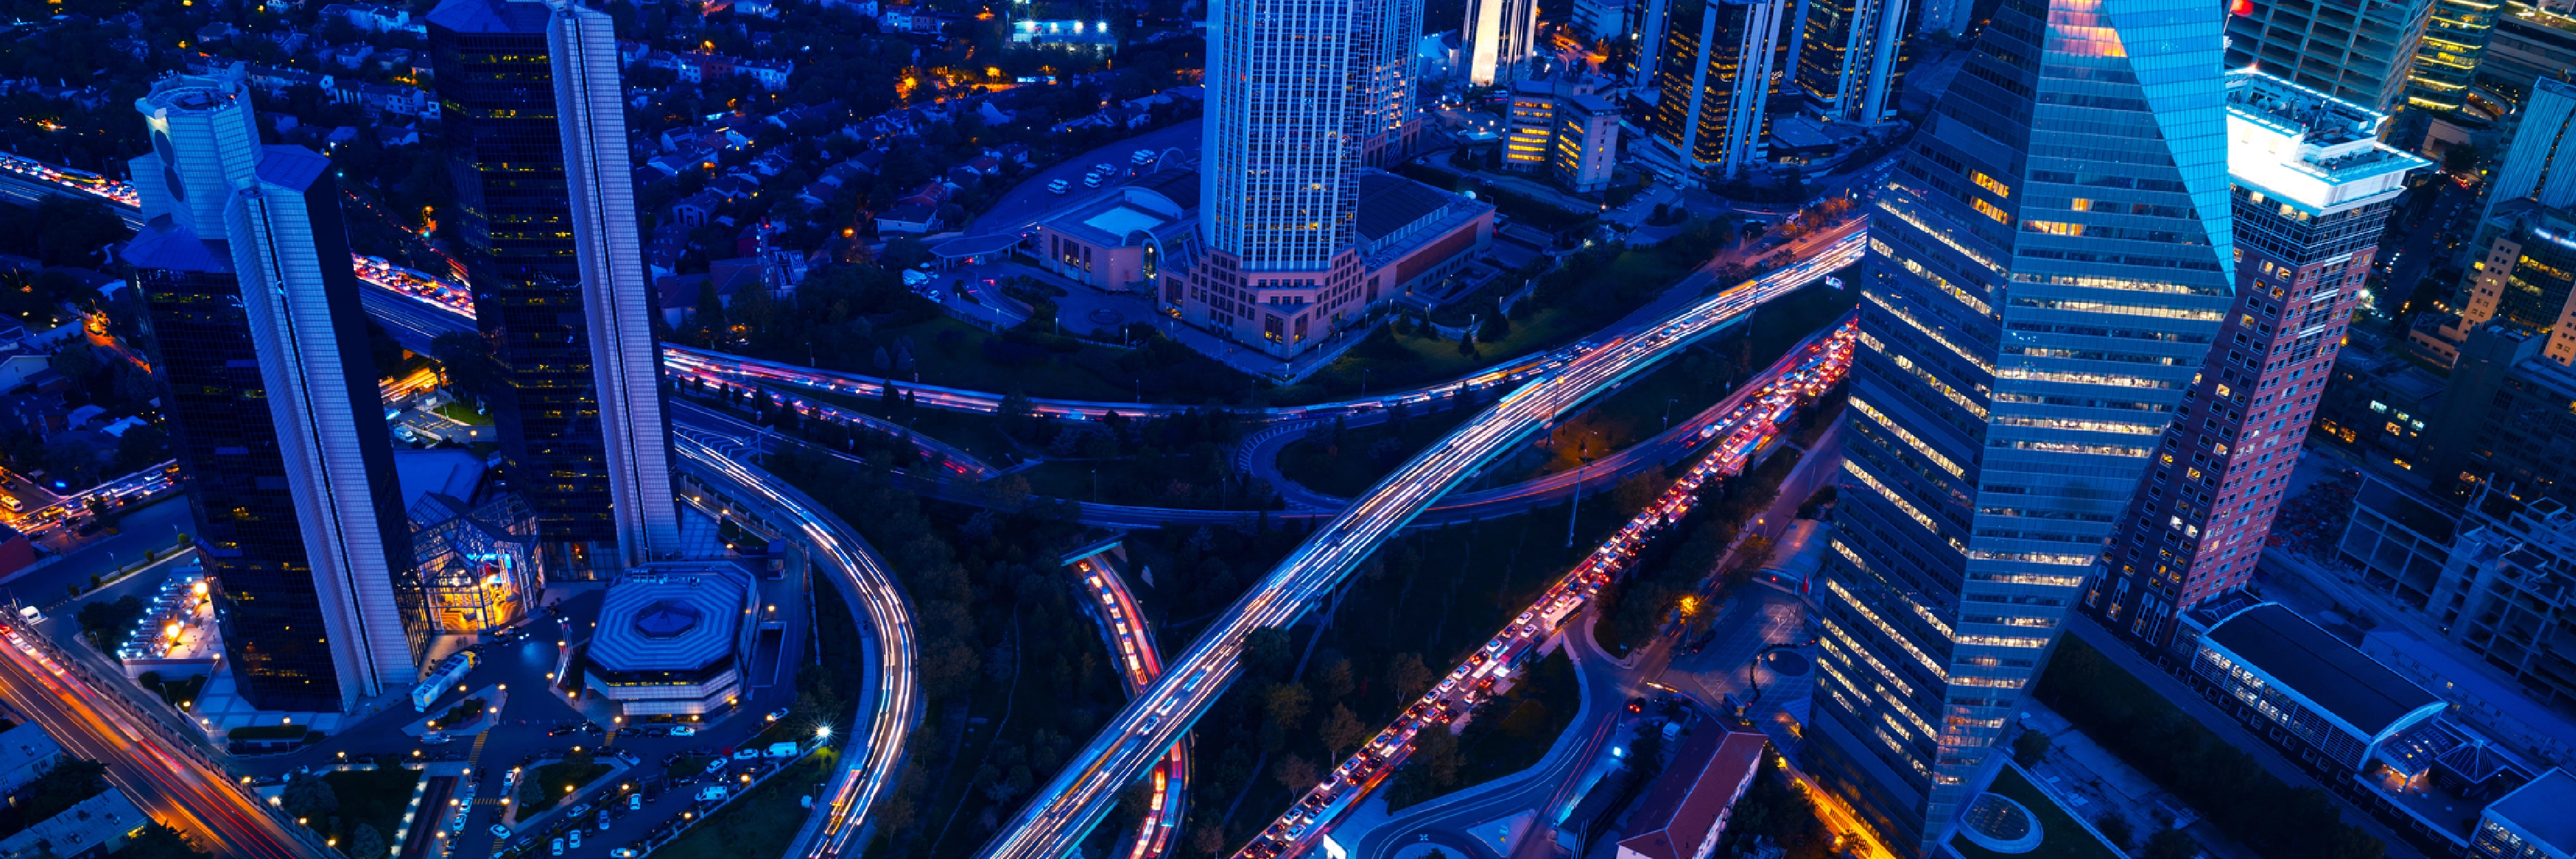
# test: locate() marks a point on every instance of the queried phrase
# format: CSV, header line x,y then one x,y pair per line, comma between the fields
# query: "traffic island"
x,y
550,784
474,715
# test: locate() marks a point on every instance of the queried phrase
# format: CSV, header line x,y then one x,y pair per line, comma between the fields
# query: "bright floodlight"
x,y
822,732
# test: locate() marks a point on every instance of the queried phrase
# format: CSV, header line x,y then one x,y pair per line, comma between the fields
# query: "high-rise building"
x,y
2531,41
1849,61
2048,267
1722,62
2525,274
2359,52
1500,40
1648,21
272,402
2540,163
1948,16
1531,125
2312,187
2446,63
1384,68
528,93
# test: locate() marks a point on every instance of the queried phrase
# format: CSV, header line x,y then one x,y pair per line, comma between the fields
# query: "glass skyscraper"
x,y
2047,269
2313,187
537,149
2358,52
2446,63
271,397
1849,58
1722,62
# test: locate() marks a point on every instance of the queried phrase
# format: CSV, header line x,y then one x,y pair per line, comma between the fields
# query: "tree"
x,y
2171,844
2462,159
366,842
1294,773
386,354
2115,828
2029,747
1435,751
310,797
159,842
1265,652
1343,731
1334,682
1287,703
1407,676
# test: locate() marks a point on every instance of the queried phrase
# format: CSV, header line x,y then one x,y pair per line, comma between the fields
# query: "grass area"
x,y
686,766
547,785
758,824
977,434
177,693
463,414
2241,798
465,711
1517,728
373,797
1359,457
2061,837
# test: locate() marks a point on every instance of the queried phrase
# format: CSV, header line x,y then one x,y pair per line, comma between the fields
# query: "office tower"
x,y
1531,125
1587,142
2446,63
2047,269
2540,163
1384,70
272,402
1648,21
2312,187
1600,20
2359,52
2530,42
1849,61
1948,16
1714,84
1501,40
528,93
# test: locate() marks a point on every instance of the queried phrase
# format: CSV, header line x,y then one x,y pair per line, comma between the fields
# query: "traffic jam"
x,y
1799,379
445,295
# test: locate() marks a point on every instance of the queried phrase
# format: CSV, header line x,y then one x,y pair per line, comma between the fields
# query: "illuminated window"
x,y
1991,184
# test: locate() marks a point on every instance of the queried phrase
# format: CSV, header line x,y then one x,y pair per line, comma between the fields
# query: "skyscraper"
x,y
2540,163
529,95
1279,186
2047,268
2446,62
1382,57
1714,84
2356,52
1848,61
273,406
1499,40
2312,189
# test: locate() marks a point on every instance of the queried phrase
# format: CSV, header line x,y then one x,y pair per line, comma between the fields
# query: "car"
x,y
629,758
657,731
623,853
1104,169
556,847
712,793
1091,181
683,731
775,715
603,820
715,766
746,755
500,831
573,838
635,802
579,810
1059,186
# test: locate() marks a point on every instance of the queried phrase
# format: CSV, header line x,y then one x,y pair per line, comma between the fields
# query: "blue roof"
x,y
671,618
2543,809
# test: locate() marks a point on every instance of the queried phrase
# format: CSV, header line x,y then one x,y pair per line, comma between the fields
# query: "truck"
x,y
445,674
784,750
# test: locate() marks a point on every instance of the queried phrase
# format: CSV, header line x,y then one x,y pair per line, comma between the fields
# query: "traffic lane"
x,y
172,789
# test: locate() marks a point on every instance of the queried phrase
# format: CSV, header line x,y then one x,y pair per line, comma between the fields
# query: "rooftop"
x,y
1699,786
490,16
672,617
2540,810
2329,673
1388,203
2395,503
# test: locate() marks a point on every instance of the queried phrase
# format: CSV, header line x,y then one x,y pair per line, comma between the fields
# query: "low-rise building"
x,y
1117,239
96,826
2319,697
2536,821
26,752
1686,811
672,638
1587,142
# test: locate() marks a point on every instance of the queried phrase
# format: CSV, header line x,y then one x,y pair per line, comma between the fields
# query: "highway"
x,y
1057,816
1131,642
173,785
1753,417
890,707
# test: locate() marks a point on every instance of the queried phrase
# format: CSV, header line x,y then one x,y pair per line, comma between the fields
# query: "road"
x,y
1131,641
172,785
1087,787
890,707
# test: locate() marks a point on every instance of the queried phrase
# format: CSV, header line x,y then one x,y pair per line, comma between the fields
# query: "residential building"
x,y
272,402
26,752
2526,273
1586,155
1599,20
1530,124
1851,58
92,827
2029,327
2497,379
2312,187
2358,52
553,256
2502,597
1499,40
2531,41
1685,813
1714,83
2446,62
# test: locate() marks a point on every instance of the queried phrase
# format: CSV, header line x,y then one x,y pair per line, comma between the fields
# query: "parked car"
x,y
683,731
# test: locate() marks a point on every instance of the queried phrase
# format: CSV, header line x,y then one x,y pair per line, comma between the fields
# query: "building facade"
x,y
2312,187
1499,40
2446,61
2540,163
2501,597
1529,124
273,407
1586,152
2359,53
1714,83
2048,267
2531,41
1850,58
2524,276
